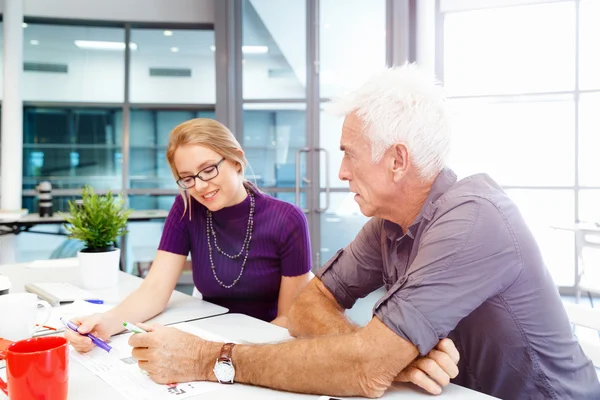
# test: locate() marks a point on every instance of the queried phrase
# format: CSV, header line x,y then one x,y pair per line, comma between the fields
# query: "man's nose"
x,y
343,173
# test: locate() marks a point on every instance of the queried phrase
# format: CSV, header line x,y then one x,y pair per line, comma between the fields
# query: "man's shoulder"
x,y
479,190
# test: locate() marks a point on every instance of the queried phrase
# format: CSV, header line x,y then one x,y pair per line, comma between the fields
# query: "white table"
x,y
180,308
25,223
237,327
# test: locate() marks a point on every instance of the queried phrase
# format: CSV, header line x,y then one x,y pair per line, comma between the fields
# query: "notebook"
x,y
59,293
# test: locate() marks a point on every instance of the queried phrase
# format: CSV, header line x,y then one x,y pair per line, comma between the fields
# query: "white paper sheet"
x,y
121,371
78,308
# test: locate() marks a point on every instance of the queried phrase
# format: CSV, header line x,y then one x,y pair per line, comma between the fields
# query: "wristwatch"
x,y
224,371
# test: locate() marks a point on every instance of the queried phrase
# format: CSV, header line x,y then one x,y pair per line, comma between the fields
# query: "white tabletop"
x,y
180,308
86,386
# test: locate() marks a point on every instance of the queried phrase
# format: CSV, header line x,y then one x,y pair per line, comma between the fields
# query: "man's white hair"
x,y
402,105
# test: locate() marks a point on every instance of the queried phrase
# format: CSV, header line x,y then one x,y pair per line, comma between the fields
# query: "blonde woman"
x,y
250,252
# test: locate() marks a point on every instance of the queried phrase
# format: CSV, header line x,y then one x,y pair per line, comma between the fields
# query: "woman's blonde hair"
x,y
210,134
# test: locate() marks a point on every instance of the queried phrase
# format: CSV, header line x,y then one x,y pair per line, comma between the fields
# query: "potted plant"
x,y
98,221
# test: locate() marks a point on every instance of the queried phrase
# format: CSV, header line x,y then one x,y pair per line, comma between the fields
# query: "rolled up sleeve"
x,y
357,270
465,257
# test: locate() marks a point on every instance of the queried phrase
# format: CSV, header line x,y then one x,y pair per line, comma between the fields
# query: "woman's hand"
x,y
102,326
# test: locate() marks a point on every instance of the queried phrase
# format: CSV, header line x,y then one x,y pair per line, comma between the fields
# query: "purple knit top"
x,y
280,246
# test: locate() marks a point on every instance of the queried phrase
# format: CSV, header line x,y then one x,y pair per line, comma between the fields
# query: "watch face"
x,y
224,372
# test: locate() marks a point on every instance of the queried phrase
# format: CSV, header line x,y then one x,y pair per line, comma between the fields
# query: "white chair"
x,y
587,237
588,318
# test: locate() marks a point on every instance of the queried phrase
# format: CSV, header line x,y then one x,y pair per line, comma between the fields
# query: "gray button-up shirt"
x,y
468,268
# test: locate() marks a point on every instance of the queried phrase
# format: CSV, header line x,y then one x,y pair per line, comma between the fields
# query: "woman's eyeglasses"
x,y
208,173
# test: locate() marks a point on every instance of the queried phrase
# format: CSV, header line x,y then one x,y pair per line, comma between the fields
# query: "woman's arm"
x,y
152,296
289,288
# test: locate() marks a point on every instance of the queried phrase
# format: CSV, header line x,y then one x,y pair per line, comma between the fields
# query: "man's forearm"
x,y
339,365
314,314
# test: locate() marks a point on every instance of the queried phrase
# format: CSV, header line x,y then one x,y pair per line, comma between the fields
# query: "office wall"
x,y
98,76
164,11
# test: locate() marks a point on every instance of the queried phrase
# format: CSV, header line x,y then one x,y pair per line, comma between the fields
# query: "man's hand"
x,y
434,371
170,355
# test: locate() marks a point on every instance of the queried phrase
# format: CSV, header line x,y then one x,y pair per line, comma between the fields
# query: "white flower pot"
x,y
99,270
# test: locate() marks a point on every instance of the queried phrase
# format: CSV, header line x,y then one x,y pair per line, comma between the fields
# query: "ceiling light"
x,y
174,49
255,49
24,25
168,33
34,42
99,45
250,49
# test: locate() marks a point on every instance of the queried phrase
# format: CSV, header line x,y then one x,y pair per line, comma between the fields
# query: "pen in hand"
x,y
132,328
97,341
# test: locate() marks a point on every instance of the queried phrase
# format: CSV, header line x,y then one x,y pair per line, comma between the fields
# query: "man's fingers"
x,y
140,354
147,327
444,361
141,339
447,346
419,378
433,370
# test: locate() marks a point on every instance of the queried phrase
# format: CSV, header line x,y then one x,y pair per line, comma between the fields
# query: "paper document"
x,y
120,370
78,308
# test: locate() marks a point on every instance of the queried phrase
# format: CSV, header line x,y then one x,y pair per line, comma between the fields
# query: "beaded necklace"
x,y
210,232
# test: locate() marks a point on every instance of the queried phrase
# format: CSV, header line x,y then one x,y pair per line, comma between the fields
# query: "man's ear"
x,y
399,160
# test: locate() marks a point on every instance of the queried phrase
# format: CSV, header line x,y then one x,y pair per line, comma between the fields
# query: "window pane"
x,y
329,139
1,58
589,139
339,224
73,63
589,205
274,49
517,142
510,49
150,131
589,44
543,209
173,66
352,44
71,148
272,137
150,202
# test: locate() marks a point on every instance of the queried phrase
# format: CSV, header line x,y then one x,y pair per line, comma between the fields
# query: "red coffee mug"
x,y
37,369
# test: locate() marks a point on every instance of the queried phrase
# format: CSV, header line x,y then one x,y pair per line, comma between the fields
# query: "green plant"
x,y
98,220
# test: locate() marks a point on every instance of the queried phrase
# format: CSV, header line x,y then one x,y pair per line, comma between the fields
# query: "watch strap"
x,y
226,351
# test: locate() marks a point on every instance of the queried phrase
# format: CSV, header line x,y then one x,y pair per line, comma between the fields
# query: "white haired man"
x,y
456,258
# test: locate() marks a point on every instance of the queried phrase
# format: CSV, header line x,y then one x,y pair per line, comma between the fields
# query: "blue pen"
x,y
95,301
97,341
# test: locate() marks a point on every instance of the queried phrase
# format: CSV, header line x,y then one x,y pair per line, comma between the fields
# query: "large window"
x,y
173,66
71,147
74,92
73,63
274,92
526,110
149,138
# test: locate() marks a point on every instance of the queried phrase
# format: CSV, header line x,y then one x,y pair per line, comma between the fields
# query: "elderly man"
x,y
456,259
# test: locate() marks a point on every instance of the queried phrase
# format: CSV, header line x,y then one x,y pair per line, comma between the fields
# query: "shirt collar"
x,y
444,181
